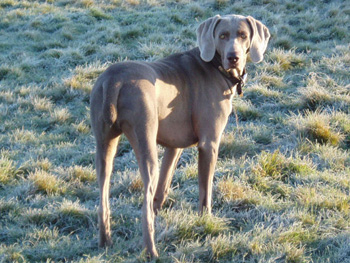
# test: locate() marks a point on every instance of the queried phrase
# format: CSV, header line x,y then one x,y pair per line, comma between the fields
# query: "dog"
x,y
180,101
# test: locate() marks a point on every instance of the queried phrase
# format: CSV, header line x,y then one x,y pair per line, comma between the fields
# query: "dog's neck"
x,y
233,75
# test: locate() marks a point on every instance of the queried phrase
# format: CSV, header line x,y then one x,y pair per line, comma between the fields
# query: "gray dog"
x,y
179,101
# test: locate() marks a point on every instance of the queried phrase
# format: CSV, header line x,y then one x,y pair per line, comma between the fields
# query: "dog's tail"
x,y
110,98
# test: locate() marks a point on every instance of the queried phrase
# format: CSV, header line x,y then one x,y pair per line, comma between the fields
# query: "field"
x,y
282,182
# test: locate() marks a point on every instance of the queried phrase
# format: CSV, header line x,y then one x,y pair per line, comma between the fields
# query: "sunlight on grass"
x,y
312,97
190,172
47,183
45,234
24,136
277,166
287,60
246,110
190,225
229,190
42,104
8,170
44,164
259,90
156,51
82,127
316,127
99,14
84,76
272,81
322,198
236,145
72,209
83,174
332,157
60,115
263,135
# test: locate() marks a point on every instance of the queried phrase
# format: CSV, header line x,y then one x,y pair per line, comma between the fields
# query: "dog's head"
x,y
232,37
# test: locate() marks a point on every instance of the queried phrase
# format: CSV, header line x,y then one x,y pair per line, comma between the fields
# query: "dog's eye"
x,y
243,36
222,36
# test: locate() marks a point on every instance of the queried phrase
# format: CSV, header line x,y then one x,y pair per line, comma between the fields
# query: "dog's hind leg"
x,y
170,159
142,138
106,148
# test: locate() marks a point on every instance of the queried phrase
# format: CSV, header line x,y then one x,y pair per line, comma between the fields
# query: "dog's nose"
x,y
232,57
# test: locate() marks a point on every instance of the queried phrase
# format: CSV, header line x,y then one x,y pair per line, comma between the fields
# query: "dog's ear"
x,y
205,38
259,39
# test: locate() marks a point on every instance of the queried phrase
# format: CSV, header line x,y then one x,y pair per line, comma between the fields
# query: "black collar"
x,y
238,82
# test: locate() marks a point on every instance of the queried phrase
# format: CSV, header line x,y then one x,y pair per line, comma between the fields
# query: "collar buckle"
x,y
241,83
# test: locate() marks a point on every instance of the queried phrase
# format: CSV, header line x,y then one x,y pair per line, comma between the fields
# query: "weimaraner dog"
x,y
179,101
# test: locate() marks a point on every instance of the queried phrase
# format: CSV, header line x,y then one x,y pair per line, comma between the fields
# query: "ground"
x,y
281,187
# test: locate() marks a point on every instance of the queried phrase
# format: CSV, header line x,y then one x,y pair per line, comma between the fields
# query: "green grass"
x,y
8,170
281,187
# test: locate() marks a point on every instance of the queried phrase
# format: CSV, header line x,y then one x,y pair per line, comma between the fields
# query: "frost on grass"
x,y
236,145
47,183
8,170
278,166
236,195
84,76
60,115
282,180
188,225
322,91
246,110
83,174
316,127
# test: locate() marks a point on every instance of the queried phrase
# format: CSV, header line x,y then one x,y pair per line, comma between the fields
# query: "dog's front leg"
x,y
170,159
208,153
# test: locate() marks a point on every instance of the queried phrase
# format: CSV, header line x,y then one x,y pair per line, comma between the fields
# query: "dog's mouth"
x,y
232,65
227,65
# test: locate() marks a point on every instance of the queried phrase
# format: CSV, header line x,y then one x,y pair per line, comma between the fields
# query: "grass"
x,y
46,183
8,170
281,187
277,166
316,126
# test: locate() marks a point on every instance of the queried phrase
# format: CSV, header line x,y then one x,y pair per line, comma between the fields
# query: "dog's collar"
x,y
238,82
